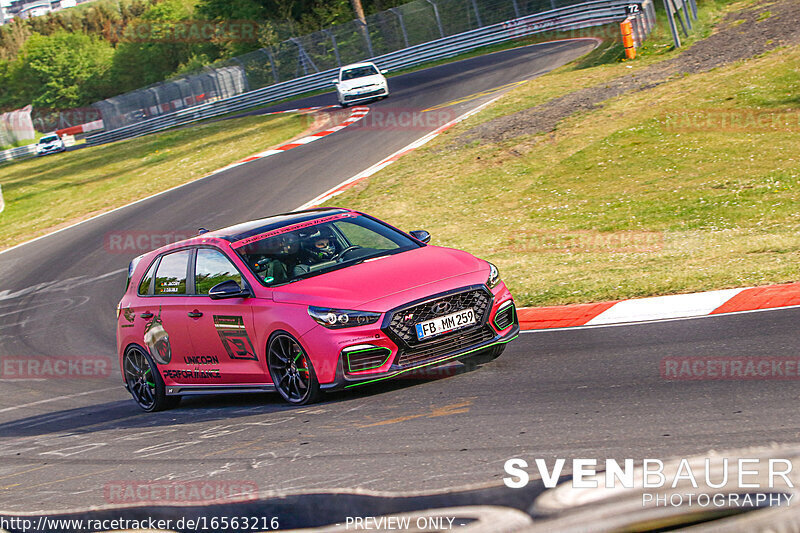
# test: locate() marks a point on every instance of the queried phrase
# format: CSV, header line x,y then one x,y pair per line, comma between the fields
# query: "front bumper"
x,y
499,325
351,98
48,151
344,381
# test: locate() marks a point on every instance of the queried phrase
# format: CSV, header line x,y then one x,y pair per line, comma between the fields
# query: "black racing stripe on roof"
x,y
256,227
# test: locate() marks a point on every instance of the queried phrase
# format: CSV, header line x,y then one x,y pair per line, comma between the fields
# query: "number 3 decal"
x,y
234,337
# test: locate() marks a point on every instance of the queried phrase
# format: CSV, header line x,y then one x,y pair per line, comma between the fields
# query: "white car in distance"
x,y
50,144
360,82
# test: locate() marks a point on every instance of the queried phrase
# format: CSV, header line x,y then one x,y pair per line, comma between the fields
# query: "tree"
x,y
62,70
12,38
148,51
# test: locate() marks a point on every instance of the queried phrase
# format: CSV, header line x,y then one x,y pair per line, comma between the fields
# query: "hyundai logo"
x,y
440,308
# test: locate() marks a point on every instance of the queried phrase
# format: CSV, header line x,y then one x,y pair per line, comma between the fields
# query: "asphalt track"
x,y
594,392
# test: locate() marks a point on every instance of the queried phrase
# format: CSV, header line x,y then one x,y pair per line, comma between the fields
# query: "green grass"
x,y
606,62
45,193
618,202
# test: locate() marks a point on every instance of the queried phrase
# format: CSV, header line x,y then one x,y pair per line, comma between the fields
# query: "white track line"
x,y
655,321
664,307
57,398
346,184
354,117
341,187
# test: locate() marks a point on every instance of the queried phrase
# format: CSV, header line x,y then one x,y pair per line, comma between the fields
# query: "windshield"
x,y
48,138
359,72
319,246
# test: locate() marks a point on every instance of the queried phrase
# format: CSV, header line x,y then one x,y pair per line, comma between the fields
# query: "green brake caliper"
x,y
300,369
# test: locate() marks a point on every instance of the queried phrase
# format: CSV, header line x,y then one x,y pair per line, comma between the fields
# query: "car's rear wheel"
x,y
144,382
291,370
484,356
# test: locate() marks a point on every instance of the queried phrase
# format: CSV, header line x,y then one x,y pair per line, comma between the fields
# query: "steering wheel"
x,y
340,254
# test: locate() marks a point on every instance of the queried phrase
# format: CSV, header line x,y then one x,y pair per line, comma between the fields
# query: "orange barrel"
x,y
627,38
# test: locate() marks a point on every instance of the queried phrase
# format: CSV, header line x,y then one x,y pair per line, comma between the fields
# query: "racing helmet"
x,y
320,244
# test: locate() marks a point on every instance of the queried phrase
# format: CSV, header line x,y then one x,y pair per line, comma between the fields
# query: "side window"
x,y
171,273
213,268
144,286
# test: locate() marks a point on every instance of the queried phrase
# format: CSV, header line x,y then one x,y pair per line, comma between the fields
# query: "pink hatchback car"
x,y
301,303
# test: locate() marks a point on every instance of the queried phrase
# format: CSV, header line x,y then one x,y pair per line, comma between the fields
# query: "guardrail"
x,y
23,152
573,17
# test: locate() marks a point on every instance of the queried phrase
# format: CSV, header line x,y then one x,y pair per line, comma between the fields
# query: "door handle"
x,y
146,315
195,314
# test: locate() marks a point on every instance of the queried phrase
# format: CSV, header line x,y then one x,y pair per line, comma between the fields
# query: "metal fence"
x,y
23,152
165,97
316,69
393,30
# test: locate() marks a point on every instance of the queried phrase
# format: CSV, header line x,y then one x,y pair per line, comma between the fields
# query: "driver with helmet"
x,y
318,246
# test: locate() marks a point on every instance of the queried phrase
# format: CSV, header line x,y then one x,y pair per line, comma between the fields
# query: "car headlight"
x,y
494,276
341,318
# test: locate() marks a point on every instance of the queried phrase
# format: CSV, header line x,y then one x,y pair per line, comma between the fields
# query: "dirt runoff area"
x,y
741,35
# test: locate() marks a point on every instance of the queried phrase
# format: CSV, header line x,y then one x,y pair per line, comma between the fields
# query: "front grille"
x,y
402,322
445,345
505,317
367,358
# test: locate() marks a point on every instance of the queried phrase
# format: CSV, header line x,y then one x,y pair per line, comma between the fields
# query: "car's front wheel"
x,y
291,370
144,382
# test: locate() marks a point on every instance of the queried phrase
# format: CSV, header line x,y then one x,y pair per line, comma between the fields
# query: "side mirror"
x,y
228,289
334,82
384,71
421,235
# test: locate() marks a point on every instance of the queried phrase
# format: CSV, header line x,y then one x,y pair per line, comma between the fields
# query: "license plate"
x,y
446,323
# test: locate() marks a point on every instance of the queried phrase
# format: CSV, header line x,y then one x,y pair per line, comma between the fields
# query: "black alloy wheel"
x,y
291,370
144,382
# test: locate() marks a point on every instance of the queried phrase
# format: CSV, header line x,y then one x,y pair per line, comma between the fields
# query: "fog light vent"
x,y
365,357
505,316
